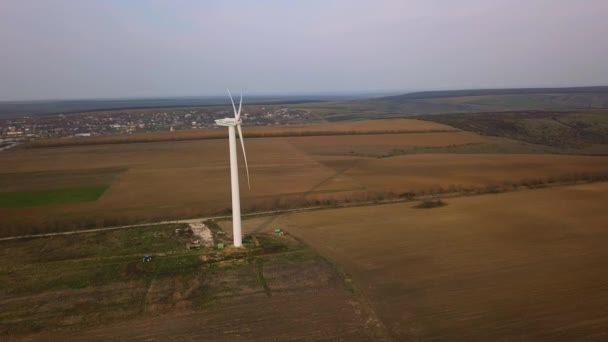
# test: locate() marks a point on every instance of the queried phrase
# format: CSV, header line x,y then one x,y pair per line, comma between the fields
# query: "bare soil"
x,y
527,265
375,145
427,171
326,315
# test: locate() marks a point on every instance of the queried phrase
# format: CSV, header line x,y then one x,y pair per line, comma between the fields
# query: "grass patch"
x,y
98,278
85,273
37,278
302,255
259,264
47,197
112,244
271,244
57,179
177,265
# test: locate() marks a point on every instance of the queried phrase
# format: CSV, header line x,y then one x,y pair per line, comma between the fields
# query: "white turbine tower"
x,y
234,168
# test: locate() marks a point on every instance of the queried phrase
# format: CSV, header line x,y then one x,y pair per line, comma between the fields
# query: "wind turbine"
x,y
234,168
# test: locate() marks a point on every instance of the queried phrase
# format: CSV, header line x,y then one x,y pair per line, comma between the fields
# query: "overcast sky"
x,y
127,48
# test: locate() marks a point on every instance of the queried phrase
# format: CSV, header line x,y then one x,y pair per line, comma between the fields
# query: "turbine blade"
x,y
231,100
244,155
238,115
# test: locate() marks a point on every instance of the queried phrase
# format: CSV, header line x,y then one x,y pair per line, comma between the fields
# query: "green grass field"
x,y
98,277
72,282
20,199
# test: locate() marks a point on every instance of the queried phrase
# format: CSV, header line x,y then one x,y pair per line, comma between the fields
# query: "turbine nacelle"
x,y
227,122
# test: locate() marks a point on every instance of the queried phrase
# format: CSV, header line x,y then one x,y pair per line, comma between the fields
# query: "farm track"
x,y
336,173
295,210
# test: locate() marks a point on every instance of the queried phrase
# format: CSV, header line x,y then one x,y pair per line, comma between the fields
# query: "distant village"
x,y
14,131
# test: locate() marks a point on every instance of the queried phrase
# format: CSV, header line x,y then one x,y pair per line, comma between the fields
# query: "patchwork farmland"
x,y
140,182
388,271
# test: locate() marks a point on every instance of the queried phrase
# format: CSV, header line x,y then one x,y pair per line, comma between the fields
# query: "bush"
x,y
407,195
430,203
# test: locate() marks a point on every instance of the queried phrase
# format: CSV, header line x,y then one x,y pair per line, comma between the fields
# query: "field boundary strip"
x,y
311,208
121,139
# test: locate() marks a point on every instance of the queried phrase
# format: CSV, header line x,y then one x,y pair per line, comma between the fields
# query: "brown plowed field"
x,y
524,265
355,127
376,144
190,177
423,171
324,315
177,179
406,139
409,125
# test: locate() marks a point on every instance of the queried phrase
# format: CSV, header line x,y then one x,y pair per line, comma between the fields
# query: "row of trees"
x,y
207,134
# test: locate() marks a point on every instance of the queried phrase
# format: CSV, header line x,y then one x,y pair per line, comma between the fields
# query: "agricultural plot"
x,y
97,287
162,179
378,145
432,171
55,179
179,179
392,126
523,265
47,197
458,270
